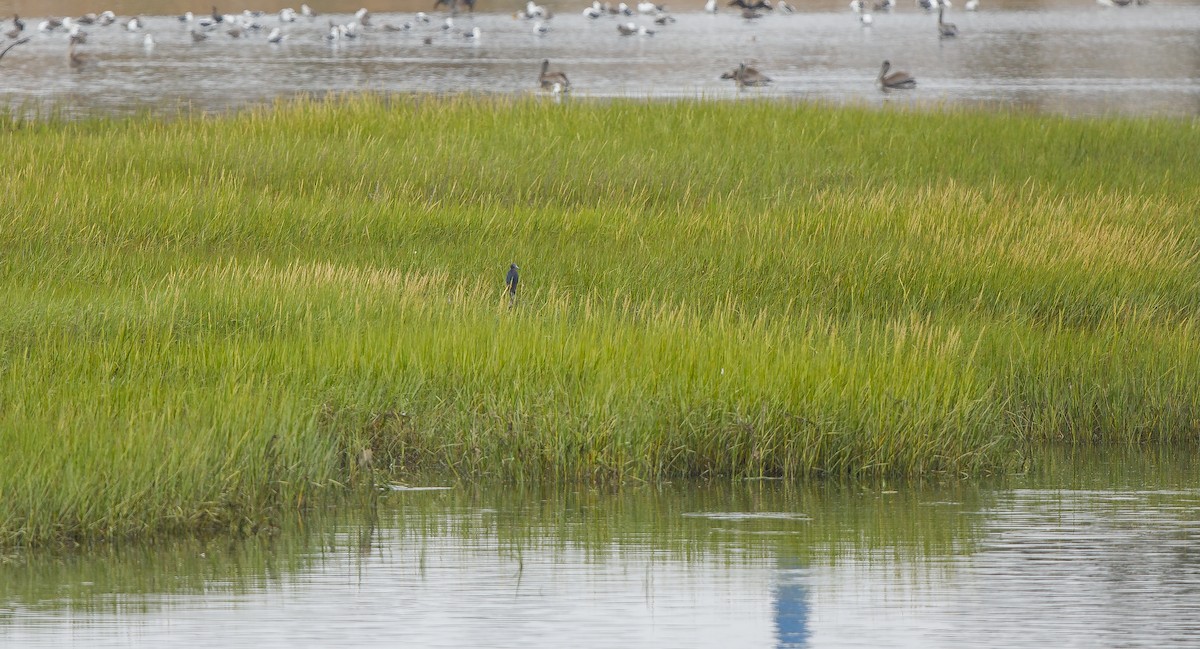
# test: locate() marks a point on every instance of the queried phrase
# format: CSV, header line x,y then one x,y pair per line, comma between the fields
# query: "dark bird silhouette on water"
x,y
511,281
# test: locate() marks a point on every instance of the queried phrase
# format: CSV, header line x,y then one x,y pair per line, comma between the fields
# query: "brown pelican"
x,y
75,59
946,30
898,79
548,80
747,76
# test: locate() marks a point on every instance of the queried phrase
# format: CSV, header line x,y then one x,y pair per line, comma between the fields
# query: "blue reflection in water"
x,y
791,605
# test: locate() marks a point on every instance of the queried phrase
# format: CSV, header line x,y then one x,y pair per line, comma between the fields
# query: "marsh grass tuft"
x,y
207,319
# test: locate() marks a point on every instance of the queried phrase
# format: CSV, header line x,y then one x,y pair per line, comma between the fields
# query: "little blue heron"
x,y
511,281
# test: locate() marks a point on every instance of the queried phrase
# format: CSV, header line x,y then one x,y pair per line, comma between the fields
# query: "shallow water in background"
x,y
1093,552
1072,57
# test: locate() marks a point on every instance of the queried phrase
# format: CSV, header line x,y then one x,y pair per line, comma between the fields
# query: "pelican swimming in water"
x,y
276,36
895,80
75,59
946,30
744,75
550,78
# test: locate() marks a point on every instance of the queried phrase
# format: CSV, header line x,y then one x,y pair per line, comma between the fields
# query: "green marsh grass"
x,y
205,320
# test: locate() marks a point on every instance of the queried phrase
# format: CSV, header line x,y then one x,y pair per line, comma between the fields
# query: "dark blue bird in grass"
x,y
511,281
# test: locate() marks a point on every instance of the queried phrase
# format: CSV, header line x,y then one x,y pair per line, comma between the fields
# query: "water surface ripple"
x,y
1028,562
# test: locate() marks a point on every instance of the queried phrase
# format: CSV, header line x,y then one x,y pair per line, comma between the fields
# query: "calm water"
x,y
1089,554
1062,56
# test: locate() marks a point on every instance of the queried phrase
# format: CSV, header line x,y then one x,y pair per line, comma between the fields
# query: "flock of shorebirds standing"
x,y
248,24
